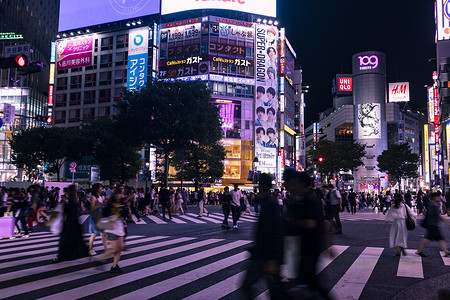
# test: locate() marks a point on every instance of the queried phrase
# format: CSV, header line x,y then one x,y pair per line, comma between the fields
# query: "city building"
x,y
236,48
362,112
26,30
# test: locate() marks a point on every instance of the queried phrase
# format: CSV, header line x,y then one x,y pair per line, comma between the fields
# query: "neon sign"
x,y
368,62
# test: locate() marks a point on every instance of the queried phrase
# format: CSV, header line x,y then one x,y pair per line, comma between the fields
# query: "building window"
x,y
105,60
88,113
61,83
104,96
105,78
120,76
74,115
121,58
121,41
103,112
75,98
106,43
61,100
60,116
75,82
90,80
89,97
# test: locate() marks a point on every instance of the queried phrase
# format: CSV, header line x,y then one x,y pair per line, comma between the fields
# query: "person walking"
x,y
225,200
387,201
333,200
115,211
267,252
398,235
178,202
201,203
164,199
431,224
21,210
97,201
352,200
236,196
185,195
71,243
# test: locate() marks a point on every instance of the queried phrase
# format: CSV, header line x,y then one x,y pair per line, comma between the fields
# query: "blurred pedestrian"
x,y
201,203
431,224
97,201
225,200
236,196
267,252
398,235
71,243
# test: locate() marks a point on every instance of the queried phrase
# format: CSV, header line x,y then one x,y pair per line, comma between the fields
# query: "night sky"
x,y
325,35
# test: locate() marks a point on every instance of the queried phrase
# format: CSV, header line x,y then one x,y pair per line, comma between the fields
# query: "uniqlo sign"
x,y
345,84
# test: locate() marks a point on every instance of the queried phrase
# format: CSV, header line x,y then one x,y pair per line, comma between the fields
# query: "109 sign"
x,y
368,62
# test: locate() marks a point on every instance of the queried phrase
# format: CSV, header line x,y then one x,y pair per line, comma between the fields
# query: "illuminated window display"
x,y
232,169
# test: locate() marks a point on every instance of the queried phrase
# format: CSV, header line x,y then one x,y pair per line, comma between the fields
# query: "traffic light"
x,y
40,118
17,61
320,159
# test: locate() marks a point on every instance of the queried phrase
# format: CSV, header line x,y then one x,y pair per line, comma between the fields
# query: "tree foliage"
x,y
337,156
172,116
399,162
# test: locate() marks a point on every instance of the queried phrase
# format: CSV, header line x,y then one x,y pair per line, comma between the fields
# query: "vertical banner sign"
x,y
426,139
6,113
137,58
436,106
430,104
266,102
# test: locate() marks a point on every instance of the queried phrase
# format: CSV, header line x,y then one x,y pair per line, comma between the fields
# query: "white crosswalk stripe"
x,y
162,264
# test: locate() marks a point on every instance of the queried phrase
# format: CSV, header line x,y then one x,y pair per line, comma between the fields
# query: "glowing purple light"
x,y
227,115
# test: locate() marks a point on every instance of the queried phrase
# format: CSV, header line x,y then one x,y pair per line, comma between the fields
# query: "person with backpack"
x,y
333,206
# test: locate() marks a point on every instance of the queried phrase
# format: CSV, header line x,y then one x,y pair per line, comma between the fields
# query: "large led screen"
x,y
369,121
83,13
259,7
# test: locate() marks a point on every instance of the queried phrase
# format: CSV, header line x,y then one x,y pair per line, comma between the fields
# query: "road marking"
x,y
220,289
192,219
125,278
156,220
446,260
45,268
76,275
325,259
186,278
410,265
135,220
17,261
178,221
351,285
206,218
33,235
263,296
82,218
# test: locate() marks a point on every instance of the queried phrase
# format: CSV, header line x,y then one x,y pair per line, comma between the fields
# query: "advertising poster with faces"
x,y
266,102
369,121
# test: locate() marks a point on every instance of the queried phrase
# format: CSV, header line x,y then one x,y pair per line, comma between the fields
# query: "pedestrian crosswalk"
x,y
187,218
362,216
165,267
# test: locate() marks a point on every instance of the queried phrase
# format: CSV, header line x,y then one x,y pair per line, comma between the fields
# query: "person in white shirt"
x,y
236,196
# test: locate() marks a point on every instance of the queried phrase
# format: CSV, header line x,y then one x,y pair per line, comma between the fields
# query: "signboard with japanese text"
x,y
259,7
399,92
74,53
84,13
181,33
266,102
137,58
22,49
345,84
222,48
430,104
426,139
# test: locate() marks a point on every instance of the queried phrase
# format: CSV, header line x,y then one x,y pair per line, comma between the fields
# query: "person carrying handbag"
x,y
398,235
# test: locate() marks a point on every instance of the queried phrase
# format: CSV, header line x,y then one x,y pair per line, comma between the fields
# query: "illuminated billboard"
x,y
345,84
443,19
84,13
399,92
430,104
74,53
259,7
369,121
137,58
266,102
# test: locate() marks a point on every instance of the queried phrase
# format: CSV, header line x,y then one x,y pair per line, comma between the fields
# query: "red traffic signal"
x,y
320,159
20,61
49,120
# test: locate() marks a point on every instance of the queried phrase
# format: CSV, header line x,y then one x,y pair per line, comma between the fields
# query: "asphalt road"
x,y
194,258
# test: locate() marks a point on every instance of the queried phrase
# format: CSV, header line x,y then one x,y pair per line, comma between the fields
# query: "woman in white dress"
x,y
398,236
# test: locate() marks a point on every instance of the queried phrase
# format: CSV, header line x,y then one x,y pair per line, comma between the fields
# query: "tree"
x,y
112,148
337,156
399,162
171,116
202,163
49,146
